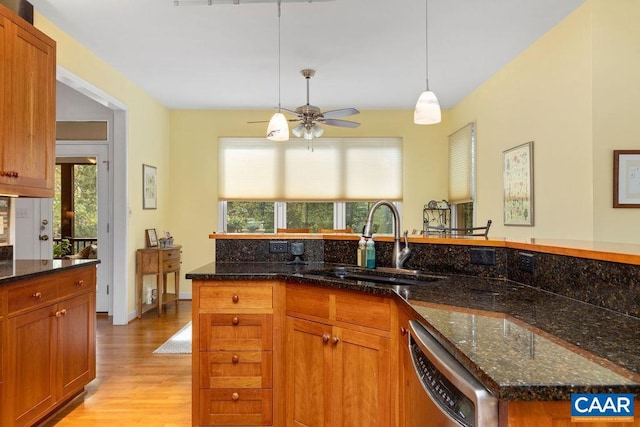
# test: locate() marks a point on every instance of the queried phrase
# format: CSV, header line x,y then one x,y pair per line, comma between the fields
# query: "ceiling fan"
x,y
310,116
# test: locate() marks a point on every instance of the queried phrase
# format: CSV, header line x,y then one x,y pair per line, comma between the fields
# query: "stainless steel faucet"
x,y
398,257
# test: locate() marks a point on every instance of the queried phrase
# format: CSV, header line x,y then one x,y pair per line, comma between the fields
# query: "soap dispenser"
x,y
362,252
371,254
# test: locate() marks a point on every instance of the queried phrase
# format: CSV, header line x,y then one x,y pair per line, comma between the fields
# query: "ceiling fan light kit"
x,y
427,110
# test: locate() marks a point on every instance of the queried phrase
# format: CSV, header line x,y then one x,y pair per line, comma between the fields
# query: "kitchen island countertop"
x,y
523,343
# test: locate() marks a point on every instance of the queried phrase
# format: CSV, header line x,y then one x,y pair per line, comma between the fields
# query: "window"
x,y
462,176
264,185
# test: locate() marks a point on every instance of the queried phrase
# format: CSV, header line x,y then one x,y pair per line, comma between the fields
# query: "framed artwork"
x,y
517,171
149,187
151,237
626,179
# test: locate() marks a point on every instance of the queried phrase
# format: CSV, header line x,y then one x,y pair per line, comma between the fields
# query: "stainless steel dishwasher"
x,y
443,393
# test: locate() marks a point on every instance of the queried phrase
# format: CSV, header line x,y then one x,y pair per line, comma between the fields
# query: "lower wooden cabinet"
x,y
50,347
549,414
238,340
338,358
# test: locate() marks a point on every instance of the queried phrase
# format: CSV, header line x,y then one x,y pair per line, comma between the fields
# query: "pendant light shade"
x,y
278,129
427,110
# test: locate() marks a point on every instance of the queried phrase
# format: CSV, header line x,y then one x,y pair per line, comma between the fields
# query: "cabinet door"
x,y
76,343
31,364
29,113
361,385
308,379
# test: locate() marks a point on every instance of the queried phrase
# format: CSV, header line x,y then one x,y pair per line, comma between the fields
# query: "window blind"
x,y
462,165
338,169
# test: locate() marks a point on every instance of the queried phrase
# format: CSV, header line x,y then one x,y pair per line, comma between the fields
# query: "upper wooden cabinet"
x,y
27,108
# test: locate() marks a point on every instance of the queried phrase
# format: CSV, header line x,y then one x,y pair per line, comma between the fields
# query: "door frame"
x,y
118,192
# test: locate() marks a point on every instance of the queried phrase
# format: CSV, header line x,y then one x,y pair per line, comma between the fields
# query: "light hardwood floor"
x,y
133,386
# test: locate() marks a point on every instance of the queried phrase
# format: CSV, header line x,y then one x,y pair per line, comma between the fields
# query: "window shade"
x,y
462,165
338,169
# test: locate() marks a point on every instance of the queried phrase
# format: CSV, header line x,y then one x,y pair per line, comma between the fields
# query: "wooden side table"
x,y
159,262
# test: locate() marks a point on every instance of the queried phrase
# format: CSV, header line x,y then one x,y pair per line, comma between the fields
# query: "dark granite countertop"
x,y
10,271
521,342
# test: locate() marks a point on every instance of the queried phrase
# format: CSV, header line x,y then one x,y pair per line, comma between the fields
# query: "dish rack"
x,y
436,219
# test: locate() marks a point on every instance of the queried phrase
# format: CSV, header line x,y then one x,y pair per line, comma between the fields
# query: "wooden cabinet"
x,y
549,414
338,358
237,362
158,262
50,343
27,108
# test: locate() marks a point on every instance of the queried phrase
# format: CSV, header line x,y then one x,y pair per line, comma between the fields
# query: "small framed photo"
x,y
149,187
626,179
151,237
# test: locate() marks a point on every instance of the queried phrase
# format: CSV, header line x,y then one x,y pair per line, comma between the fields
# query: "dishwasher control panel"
x,y
441,390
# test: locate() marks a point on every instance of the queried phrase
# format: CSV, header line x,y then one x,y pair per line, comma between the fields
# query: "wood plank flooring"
x,y
133,386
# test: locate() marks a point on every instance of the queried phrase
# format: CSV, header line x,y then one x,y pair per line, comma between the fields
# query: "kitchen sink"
x,y
387,276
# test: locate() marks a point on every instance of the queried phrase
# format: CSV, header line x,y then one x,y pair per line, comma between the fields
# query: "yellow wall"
x,y
616,110
544,95
148,137
194,136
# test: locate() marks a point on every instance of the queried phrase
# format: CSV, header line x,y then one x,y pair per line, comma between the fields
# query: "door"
x,y
100,152
308,379
34,219
362,378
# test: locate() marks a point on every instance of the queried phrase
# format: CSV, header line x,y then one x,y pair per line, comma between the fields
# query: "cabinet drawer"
x,y
32,295
236,407
76,282
169,266
171,255
236,332
364,310
236,297
236,369
308,301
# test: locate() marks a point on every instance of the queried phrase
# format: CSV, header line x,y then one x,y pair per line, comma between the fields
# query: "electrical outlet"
x,y
483,256
278,246
527,262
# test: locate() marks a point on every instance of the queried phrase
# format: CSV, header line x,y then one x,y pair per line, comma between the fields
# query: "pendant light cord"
x,y
426,39
279,56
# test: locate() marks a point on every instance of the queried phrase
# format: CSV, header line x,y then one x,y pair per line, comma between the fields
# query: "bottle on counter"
x,y
371,254
362,252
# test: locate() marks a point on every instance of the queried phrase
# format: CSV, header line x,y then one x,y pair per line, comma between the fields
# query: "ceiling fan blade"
x,y
339,113
342,123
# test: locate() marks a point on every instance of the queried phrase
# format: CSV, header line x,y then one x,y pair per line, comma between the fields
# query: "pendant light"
x,y
278,129
427,108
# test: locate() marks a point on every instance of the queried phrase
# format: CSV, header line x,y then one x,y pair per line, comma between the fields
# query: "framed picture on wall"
x,y
626,179
151,237
517,170
149,187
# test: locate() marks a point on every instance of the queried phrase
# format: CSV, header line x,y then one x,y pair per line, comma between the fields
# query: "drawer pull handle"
x,y
62,312
235,358
403,331
80,283
235,320
326,338
235,298
235,396
335,340
37,295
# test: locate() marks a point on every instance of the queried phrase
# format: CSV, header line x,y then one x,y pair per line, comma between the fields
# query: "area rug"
x,y
179,343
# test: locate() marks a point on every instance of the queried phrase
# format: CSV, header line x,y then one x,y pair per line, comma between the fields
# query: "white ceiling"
x,y
368,54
